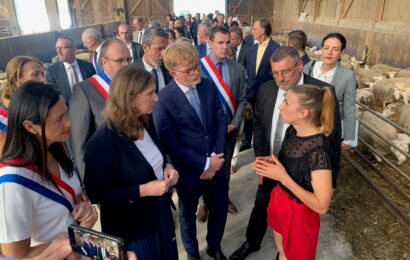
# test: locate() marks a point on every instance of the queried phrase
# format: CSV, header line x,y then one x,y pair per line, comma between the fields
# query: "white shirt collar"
x,y
68,65
148,67
184,88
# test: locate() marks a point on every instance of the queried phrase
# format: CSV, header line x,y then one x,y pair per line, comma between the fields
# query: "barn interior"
x,y
378,50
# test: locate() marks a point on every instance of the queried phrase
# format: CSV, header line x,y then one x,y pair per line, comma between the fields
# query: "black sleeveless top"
x,y
302,155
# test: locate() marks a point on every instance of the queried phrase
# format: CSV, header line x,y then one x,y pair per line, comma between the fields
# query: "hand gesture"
x,y
216,162
269,167
171,174
207,175
155,188
86,214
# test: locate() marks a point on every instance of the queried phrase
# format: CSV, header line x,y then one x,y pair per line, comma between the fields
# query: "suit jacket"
x,y
237,85
114,169
243,53
135,36
186,140
201,49
137,50
165,72
262,122
264,71
345,83
57,75
249,39
85,109
193,31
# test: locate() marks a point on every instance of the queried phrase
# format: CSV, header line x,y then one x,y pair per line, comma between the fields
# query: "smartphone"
x,y
96,245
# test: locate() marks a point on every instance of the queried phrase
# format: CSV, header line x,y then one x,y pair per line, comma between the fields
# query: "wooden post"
x,y
97,11
16,30
52,13
316,10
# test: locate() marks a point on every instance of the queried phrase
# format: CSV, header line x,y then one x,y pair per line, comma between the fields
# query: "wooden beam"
x,y
52,13
346,8
83,5
316,10
137,4
378,14
161,7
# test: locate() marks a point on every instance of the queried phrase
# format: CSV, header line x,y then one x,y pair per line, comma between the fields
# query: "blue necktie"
x,y
193,99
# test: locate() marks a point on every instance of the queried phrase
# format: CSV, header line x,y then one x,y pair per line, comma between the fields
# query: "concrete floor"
x,y
242,192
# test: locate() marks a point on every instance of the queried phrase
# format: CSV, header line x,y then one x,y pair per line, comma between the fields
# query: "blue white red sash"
x,y
4,119
102,83
28,177
224,93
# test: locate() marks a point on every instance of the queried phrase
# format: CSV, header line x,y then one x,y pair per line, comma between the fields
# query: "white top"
x,y
326,77
276,113
25,213
152,154
67,67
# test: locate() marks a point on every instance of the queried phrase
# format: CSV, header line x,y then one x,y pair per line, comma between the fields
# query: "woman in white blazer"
x,y
341,78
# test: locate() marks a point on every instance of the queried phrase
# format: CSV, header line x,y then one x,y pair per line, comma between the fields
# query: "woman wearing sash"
x,y
40,195
19,70
126,171
303,171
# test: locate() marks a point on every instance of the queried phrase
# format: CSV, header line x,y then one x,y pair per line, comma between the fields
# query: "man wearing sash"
x,y
89,97
92,41
230,79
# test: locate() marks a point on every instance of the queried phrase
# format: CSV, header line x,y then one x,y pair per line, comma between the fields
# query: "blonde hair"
x,y
180,51
119,112
320,103
14,71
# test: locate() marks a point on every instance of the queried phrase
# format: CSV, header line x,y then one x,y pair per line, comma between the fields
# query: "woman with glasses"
x,y
19,70
126,170
303,171
343,79
40,194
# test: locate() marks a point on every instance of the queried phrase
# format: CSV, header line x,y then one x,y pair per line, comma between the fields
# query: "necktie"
x,y
219,67
74,75
193,99
277,139
235,57
259,56
154,73
140,38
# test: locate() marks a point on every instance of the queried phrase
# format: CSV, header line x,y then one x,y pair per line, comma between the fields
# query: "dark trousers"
x,y
215,194
247,132
258,220
229,148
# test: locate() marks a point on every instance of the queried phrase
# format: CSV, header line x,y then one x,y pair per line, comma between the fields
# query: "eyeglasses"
x,y
191,71
284,72
121,60
64,47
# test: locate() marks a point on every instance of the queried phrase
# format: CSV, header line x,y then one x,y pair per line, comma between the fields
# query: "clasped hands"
x,y
215,164
270,167
159,187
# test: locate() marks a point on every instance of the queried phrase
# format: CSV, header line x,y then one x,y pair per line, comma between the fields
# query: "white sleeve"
x,y
16,213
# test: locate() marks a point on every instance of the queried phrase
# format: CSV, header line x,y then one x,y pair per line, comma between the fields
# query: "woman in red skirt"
x,y
302,170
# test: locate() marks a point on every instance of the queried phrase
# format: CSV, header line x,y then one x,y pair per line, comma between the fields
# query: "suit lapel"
x,y
64,77
202,95
338,73
265,57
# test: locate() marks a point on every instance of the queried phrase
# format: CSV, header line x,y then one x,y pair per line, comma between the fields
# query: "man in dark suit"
x,y
287,70
89,96
258,70
68,71
191,125
154,43
239,45
234,76
124,34
203,47
92,41
192,27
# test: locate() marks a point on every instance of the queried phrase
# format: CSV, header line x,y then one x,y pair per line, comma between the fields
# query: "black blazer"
x,y
114,169
243,52
137,51
57,75
262,122
165,72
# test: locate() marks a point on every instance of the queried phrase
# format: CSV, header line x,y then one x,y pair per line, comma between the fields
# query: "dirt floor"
x,y
359,215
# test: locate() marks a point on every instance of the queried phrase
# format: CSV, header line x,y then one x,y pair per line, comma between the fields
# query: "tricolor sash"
x,y
102,83
4,119
224,93
24,177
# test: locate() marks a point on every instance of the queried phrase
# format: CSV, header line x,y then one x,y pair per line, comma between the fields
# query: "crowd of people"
x,y
159,109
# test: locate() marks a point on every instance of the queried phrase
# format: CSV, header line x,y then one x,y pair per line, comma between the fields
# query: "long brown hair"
x,y
14,72
320,103
129,81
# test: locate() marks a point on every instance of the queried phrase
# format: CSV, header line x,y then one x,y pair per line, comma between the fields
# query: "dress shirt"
x,y
184,90
238,50
261,50
68,67
160,75
152,154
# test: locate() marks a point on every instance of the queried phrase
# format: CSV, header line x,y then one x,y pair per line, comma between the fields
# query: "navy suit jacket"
x,y
264,72
57,75
186,140
201,49
114,169
165,72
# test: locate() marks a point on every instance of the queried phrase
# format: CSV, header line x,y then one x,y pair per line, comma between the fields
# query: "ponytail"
x,y
320,103
327,115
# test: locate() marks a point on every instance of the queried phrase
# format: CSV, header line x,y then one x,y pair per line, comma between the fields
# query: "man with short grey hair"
x,y
92,41
155,41
203,46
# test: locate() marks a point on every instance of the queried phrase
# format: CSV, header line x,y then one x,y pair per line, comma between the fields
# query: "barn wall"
x,y
383,24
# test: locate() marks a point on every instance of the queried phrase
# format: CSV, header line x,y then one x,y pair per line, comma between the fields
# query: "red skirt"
x,y
297,223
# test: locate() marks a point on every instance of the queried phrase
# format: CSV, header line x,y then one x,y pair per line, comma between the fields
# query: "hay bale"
x,y
84,56
382,68
3,75
403,74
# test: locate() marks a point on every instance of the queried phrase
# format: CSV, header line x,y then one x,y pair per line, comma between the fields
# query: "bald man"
x,y
125,35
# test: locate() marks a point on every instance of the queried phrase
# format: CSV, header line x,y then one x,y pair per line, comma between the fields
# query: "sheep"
x,y
399,112
404,118
367,76
403,74
402,142
386,130
383,68
365,96
383,91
